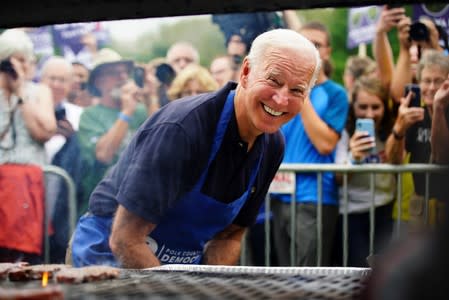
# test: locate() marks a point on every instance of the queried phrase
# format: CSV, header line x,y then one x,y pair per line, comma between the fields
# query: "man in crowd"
x,y
62,150
106,128
195,174
224,69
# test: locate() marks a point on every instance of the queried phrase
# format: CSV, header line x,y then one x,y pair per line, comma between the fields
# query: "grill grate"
x,y
219,282
229,283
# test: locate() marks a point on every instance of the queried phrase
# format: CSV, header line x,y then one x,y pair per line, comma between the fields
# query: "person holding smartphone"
x,y
363,141
26,122
412,131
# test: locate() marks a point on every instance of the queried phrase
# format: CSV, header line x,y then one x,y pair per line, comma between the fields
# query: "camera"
x,y
419,32
7,67
139,76
165,73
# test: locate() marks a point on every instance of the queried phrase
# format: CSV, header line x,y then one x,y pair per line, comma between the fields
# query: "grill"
x,y
218,282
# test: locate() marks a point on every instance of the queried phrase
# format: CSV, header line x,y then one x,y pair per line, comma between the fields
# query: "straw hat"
x,y
103,58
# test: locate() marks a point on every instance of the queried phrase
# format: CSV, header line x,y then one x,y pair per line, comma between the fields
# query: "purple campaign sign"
x,y
362,25
42,40
68,35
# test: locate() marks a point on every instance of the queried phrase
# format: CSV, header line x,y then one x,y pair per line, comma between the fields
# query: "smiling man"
x,y
195,174
311,137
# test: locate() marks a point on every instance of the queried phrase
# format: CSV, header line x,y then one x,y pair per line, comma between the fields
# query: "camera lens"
x,y
419,32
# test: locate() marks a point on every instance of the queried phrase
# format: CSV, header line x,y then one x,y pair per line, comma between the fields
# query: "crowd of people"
x,y
162,180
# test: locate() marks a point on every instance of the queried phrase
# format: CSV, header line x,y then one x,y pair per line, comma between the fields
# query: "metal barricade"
x,y
71,192
345,169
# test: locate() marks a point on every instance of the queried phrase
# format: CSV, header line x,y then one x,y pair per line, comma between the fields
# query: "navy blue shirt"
x,y
171,149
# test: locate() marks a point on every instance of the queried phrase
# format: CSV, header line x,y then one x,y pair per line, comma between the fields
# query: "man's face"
x,y
58,77
111,76
221,70
180,57
432,77
319,39
236,46
80,75
273,90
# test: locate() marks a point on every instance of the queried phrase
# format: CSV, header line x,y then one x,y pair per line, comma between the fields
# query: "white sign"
x,y
283,183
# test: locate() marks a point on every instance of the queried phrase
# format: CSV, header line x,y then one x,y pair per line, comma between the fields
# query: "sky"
x,y
128,29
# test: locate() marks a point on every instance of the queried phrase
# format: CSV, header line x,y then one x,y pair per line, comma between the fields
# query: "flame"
x,y
44,279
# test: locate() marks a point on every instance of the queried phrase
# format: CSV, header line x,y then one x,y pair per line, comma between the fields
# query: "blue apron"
x,y
182,233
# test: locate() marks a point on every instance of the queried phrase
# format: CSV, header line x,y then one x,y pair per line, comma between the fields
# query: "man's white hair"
x,y
281,39
14,41
56,61
187,45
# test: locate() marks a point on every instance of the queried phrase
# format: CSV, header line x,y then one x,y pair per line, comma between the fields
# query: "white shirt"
x,y
53,145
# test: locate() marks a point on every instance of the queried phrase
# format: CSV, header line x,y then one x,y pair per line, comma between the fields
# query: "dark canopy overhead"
x,y
35,13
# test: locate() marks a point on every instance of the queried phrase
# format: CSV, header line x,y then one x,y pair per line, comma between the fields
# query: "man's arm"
x,y
224,248
109,144
39,115
440,130
128,240
320,134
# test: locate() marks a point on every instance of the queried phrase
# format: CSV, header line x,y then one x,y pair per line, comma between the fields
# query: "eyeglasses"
x,y
436,81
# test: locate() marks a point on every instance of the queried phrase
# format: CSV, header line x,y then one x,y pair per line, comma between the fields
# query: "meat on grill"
x,y
87,274
5,268
35,271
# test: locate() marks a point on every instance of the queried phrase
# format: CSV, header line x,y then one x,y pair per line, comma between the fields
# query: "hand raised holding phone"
x,y
363,141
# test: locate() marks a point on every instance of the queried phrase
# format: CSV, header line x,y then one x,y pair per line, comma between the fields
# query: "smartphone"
x,y
366,125
139,76
416,97
7,67
60,114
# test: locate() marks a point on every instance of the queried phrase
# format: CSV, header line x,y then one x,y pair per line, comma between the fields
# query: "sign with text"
x,y
283,183
362,25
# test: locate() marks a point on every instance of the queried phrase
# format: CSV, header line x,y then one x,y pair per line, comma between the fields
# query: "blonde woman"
x,y
192,80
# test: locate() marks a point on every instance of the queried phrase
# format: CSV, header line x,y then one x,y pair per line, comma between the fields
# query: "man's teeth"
x,y
272,111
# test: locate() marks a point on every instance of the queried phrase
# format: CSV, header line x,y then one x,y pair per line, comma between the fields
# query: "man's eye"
x,y
297,91
274,80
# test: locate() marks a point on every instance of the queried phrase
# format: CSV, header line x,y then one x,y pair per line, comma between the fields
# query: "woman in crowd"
x,y
26,121
192,80
369,101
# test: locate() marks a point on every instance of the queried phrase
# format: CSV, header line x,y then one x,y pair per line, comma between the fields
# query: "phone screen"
x,y
416,97
366,125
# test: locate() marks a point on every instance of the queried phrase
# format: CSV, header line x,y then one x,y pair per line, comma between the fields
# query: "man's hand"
x,y
129,97
128,240
224,248
65,128
441,98
407,116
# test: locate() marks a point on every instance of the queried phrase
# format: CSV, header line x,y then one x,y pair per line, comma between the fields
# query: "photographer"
x,y
106,128
412,130
414,39
26,122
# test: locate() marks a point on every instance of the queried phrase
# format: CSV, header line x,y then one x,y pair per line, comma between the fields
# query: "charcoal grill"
x,y
220,282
